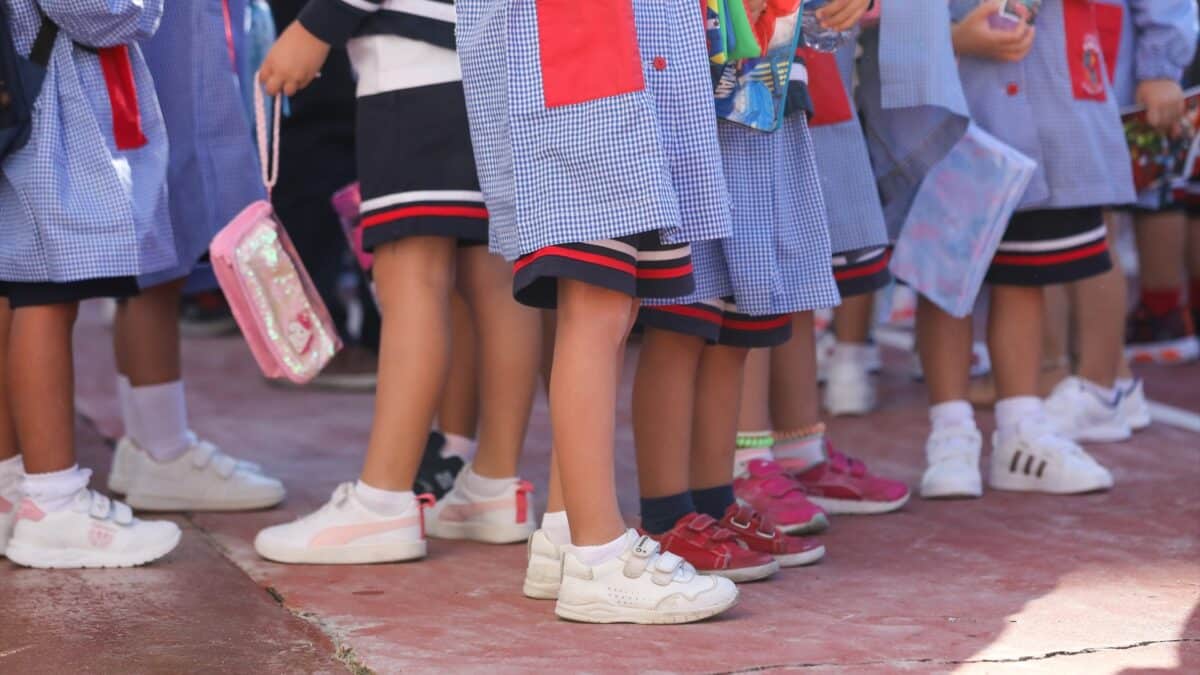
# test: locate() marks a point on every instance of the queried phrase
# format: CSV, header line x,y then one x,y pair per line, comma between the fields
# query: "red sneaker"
x,y
772,492
842,485
712,549
758,533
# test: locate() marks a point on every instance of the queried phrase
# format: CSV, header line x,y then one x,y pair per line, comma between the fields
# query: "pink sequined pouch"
x,y
273,299
346,203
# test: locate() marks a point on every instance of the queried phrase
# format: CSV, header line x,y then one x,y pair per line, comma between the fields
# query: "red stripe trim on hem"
x,y
417,211
580,256
868,270
763,324
712,316
1051,258
665,272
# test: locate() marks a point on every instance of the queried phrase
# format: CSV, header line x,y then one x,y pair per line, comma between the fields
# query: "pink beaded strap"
x,y
269,165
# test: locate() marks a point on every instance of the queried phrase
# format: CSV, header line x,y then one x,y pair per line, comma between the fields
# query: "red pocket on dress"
x,y
588,50
831,103
1109,22
1085,57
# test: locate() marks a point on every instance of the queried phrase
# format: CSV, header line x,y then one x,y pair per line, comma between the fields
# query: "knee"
x,y
602,313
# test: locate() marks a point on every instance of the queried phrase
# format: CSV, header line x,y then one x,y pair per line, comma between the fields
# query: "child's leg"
x,y
793,378
590,338
1098,308
664,396
714,427
754,415
41,385
1161,237
509,348
1015,339
458,414
146,335
849,389
8,431
944,343
852,319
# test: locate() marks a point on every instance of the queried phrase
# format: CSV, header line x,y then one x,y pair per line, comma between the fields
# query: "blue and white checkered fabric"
x,y
778,259
1157,37
1079,145
74,207
847,181
602,169
213,170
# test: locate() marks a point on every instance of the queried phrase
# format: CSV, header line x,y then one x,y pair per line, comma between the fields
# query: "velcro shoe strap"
x,y
122,514
101,506
665,568
643,554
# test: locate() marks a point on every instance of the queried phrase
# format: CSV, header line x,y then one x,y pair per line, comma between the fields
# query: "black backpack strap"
x,y
43,44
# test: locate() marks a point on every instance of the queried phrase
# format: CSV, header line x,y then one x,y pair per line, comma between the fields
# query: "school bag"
x,y
21,82
273,299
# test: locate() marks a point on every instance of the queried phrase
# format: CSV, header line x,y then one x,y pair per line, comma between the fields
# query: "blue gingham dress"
x,y
600,169
777,259
911,100
73,207
213,172
1079,145
847,181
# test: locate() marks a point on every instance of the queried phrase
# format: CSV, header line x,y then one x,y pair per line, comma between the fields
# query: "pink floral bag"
x,y
272,297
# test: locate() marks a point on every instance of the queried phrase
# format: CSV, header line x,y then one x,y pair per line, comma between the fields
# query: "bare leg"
x,y
41,382
554,499
852,319
1193,249
146,335
1015,339
414,278
509,340
794,378
755,411
1160,239
8,431
1056,339
590,341
664,397
459,412
944,343
714,431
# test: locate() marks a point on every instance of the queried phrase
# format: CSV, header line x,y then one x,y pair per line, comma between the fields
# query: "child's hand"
x,y
842,15
293,62
973,36
1164,104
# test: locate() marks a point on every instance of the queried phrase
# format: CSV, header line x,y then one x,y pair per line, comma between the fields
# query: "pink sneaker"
x,y
842,485
768,489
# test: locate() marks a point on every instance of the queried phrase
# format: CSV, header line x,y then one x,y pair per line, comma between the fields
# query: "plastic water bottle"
x,y
815,35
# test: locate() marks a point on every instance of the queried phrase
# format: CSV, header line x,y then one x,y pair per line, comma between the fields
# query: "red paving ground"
x,y
1096,584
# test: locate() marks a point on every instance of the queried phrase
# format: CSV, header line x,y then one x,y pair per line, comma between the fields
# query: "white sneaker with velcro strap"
x,y
126,460
543,572
94,531
202,479
642,585
1036,458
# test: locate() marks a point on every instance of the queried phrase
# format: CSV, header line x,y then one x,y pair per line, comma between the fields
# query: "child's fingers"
x,y
841,16
272,83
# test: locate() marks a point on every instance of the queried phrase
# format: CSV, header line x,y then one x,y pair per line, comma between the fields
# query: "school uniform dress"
x,y
213,172
416,168
857,231
595,136
1058,107
84,203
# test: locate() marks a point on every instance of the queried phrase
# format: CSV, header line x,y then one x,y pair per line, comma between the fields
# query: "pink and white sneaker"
x,y
346,532
93,531
769,490
843,485
8,515
506,519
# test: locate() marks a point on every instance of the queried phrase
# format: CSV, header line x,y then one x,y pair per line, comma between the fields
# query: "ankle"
x,y
659,514
483,486
556,527
384,502
951,414
55,490
1010,412
592,556
806,444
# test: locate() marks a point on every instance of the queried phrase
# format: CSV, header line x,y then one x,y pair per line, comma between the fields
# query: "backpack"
x,y
21,81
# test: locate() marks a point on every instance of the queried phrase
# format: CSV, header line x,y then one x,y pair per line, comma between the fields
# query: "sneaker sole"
x,y
1104,434
486,533
819,523
744,575
540,590
65,559
1139,421
951,494
605,613
854,507
801,559
1171,352
1024,484
174,504
344,555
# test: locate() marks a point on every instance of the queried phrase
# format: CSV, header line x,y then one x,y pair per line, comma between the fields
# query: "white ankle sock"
x,y
124,387
1011,411
384,502
55,490
602,553
556,527
159,417
1125,385
459,446
743,456
810,448
12,472
1106,394
951,414
851,352
481,486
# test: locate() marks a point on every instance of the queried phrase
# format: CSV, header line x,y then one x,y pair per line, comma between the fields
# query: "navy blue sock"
x,y
713,501
660,514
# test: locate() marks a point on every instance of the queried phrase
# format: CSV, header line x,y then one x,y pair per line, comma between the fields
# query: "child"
x,y
595,132
426,223
160,464
1043,91
85,210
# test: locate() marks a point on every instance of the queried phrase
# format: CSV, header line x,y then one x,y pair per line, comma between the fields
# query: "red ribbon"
x,y
122,96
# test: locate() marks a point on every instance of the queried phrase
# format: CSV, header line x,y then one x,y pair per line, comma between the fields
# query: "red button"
x,y
1012,89
660,63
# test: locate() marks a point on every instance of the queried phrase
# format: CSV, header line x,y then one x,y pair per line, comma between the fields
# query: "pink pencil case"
x,y
346,203
273,299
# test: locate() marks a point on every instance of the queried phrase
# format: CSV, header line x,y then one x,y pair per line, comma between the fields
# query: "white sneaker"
x,y
1082,415
94,531
8,515
1037,459
1135,411
124,462
981,362
506,519
543,574
643,585
202,479
345,532
952,470
826,341
849,389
